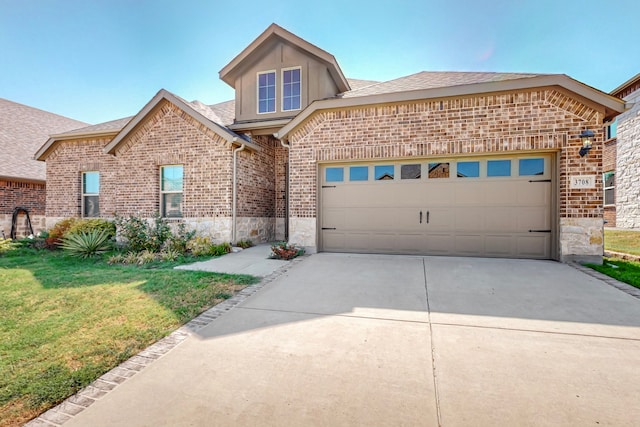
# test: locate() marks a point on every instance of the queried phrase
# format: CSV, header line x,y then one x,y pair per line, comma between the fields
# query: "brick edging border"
x,y
72,406
624,287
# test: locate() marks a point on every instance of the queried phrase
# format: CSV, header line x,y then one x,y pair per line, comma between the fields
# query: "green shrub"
x,y
202,246
244,244
178,241
6,245
145,257
116,259
86,244
139,235
286,251
85,225
221,249
169,255
54,240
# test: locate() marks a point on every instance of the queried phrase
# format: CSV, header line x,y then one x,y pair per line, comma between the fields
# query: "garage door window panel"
x,y
334,175
498,168
468,170
531,167
384,173
358,173
438,170
413,171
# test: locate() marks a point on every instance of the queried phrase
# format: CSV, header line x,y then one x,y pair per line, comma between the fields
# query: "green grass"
x,y
622,241
624,271
65,321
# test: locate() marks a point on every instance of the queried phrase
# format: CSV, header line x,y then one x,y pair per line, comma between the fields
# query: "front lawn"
x,y
65,321
624,241
624,271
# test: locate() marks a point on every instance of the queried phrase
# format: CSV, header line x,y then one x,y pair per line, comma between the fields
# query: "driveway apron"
x,y
381,340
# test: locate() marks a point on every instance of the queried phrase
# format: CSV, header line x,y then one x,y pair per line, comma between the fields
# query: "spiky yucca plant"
x,y
87,244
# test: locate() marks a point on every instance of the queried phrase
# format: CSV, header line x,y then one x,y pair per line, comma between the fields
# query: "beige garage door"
x,y
491,207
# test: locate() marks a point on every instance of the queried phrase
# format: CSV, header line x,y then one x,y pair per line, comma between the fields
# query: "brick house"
x,y
438,163
22,178
621,160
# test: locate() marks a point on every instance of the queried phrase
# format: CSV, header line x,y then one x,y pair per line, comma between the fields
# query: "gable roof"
x,y
273,34
22,130
627,87
421,86
123,127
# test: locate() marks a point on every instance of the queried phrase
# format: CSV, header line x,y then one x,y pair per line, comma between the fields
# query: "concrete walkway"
x,y
254,261
398,340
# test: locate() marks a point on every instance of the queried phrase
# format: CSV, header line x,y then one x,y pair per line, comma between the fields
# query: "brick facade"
x,y
29,195
537,120
130,180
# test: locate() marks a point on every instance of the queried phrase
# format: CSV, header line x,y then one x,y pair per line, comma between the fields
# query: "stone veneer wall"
x,y
546,119
130,180
628,165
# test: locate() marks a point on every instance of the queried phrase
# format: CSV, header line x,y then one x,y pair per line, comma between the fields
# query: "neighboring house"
x,y
621,162
22,178
436,163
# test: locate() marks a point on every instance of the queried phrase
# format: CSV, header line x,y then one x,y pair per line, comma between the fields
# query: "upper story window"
x,y
267,92
90,194
291,89
611,129
171,191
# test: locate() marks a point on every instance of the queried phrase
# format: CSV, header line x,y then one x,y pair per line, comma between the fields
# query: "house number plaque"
x,y
583,181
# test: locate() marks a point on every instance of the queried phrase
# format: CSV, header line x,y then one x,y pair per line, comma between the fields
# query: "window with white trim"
x,y
171,191
266,92
609,179
291,89
90,194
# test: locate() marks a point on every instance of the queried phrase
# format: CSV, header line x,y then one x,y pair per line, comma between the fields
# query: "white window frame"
x,y
604,189
163,212
275,91
85,194
282,88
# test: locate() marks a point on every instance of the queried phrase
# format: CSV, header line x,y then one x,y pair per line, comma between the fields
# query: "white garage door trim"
x,y
446,206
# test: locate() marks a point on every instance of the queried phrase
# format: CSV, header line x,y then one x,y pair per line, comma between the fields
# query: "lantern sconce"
x,y
586,136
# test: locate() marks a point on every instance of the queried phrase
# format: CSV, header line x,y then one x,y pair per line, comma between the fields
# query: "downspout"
x,y
235,190
286,191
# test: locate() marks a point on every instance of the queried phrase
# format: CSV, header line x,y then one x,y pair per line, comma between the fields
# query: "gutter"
x,y
235,190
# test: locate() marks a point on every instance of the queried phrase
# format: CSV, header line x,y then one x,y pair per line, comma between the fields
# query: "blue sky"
x,y
98,60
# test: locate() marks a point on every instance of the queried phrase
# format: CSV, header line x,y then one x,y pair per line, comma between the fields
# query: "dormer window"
x,y
291,89
267,92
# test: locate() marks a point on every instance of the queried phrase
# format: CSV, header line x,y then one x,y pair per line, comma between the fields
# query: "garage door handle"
x,y
427,217
420,217
539,231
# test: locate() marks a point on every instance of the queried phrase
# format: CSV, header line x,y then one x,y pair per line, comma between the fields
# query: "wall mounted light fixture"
x,y
586,136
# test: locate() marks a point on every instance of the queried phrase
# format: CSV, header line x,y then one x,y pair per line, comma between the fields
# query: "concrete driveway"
x,y
396,340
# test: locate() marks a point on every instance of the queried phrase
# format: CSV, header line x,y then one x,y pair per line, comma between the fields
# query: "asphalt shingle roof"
x,y
431,80
23,130
223,113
